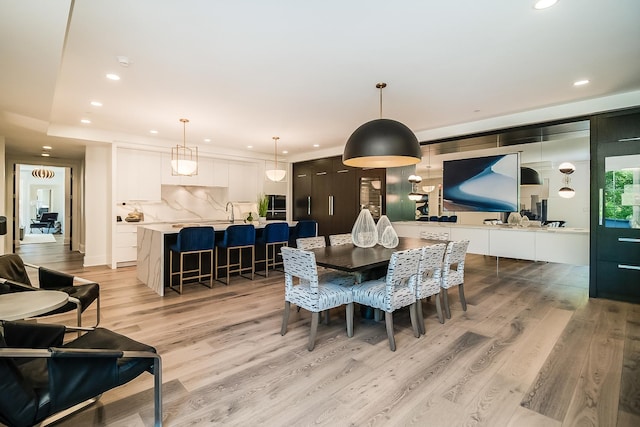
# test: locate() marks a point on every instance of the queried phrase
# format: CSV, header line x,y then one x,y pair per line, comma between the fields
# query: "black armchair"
x,y
47,220
41,378
82,292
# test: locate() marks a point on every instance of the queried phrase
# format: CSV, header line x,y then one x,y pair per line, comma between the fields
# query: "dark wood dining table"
x,y
351,258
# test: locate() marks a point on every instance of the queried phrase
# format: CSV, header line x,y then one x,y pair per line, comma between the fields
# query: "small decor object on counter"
x,y
389,238
364,233
381,226
135,216
249,219
263,206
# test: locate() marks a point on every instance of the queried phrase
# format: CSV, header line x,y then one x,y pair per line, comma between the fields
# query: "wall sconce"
x,y
566,192
184,160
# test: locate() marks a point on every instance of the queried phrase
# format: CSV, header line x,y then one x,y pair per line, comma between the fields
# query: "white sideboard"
x,y
562,245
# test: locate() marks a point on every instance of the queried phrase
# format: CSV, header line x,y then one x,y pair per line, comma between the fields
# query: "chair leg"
x,y
350,319
285,317
388,318
463,301
413,308
326,317
420,316
314,329
439,309
377,314
157,387
447,309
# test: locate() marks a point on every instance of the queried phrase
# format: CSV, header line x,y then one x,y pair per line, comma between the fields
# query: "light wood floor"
x,y
531,350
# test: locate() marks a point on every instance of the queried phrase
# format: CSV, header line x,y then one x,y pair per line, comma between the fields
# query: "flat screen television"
x,y
482,184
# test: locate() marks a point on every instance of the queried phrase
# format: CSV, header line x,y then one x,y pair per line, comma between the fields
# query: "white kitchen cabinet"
x,y
139,175
125,248
211,173
220,173
243,182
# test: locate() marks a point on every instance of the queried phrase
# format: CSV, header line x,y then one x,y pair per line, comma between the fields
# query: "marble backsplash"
x,y
184,203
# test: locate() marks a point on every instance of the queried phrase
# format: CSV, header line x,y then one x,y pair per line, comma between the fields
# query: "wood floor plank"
x,y
629,403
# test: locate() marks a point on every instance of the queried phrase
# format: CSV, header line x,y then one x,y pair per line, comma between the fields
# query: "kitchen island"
x,y
153,249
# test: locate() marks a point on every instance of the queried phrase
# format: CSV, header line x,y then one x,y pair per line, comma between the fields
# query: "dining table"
x,y
21,305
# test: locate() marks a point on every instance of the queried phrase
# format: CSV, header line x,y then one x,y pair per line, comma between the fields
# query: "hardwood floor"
x,y
531,350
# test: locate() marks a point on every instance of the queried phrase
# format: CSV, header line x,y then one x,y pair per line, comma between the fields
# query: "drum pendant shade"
x,y
529,176
382,143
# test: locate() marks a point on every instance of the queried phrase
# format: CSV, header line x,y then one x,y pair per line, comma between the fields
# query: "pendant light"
x,y
43,173
566,192
382,143
184,160
276,174
529,176
428,188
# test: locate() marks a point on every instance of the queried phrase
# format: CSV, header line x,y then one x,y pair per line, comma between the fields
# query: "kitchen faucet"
x,y
226,208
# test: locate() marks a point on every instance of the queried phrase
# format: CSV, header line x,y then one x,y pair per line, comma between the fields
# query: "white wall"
x,y
97,206
4,242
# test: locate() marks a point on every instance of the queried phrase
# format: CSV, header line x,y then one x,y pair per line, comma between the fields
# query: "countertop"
x,y
174,227
494,227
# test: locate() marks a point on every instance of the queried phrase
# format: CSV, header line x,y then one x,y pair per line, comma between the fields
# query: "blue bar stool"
x,y
236,237
192,241
274,236
304,228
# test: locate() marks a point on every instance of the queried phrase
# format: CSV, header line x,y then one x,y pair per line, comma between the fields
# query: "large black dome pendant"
x,y
382,143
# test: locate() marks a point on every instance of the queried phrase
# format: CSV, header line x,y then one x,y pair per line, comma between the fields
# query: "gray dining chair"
x,y
340,239
434,235
396,290
308,243
429,278
453,273
311,292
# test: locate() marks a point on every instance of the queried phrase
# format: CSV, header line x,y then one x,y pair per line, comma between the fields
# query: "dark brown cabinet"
x,y
328,191
615,215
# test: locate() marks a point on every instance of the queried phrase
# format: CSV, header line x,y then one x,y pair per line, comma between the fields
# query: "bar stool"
x,y
274,236
192,240
304,228
236,237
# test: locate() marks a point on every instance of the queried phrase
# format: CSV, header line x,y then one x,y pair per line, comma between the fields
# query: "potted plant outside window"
x,y
263,205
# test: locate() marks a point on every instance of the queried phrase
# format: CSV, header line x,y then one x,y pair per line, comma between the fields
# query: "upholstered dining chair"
x,y
82,293
308,243
311,292
340,239
395,291
236,238
429,277
193,242
453,272
44,379
274,235
434,235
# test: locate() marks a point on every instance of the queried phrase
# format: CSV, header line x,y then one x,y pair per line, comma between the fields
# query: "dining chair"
x,y
274,235
308,243
193,242
311,292
396,290
453,272
340,239
434,235
236,238
429,277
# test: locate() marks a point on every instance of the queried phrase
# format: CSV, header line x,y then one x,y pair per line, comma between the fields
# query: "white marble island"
x,y
153,241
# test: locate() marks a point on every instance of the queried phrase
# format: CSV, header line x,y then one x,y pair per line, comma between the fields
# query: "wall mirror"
x,y
371,195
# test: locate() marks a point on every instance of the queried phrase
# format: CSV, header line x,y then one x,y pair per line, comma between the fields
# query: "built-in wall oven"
x,y
277,209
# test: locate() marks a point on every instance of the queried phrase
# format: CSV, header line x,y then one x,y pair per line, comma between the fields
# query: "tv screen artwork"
x,y
482,184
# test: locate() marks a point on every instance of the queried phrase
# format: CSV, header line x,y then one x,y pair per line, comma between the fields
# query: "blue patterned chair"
x,y
274,235
192,241
396,290
453,272
340,239
429,277
236,238
311,293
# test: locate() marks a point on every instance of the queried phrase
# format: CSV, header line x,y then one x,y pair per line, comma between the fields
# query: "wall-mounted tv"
x,y
482,184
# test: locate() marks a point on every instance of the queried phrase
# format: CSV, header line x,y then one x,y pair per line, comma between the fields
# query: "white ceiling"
x,y
244,71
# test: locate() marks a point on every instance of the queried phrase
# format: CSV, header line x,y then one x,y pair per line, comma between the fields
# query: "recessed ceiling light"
x,y
285,152
96,103
112,76
581,82
543,4
45,154
316,145
249,146
46,147
85,121
207,140
153,131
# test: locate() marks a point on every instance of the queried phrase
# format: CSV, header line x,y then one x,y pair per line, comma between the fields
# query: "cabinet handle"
x,y
343,171
600,206
321,173
628,240
629,267
634,138
330,205
308,205
302,175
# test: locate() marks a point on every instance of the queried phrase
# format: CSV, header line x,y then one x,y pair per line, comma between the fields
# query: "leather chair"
x,y
47,220
236,238
192,241
41,378
82,292
274,235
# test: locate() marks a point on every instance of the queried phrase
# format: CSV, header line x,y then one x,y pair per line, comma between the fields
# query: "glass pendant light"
x,y
184,160
276,174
